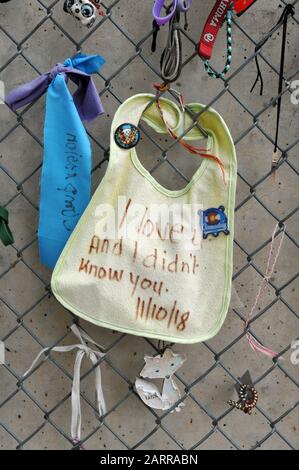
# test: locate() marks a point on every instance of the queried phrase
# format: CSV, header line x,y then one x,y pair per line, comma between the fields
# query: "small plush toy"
x,y
84,11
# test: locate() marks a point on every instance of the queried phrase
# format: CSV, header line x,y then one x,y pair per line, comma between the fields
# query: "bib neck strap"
x,y
144,107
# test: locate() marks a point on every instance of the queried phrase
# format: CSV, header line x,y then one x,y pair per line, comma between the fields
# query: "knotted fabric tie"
x,y
66,171
5,233
94,356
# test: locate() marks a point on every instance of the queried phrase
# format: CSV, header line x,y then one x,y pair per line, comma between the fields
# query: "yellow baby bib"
x,y
127,266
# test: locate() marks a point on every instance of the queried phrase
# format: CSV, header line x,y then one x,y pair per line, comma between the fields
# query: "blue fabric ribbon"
x,y
66,171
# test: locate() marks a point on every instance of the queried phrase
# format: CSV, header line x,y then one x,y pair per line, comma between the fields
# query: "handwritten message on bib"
x,y
152,257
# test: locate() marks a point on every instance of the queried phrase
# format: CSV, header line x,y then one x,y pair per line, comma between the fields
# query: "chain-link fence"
x,y
35,411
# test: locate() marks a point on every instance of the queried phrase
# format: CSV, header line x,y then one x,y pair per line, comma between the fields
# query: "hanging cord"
x,y
202,152
171,59
288,10
5,233
156,29
254,344
210,71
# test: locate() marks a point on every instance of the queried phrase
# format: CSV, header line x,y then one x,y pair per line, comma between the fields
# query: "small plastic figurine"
x,y
213,221
83,10
161,367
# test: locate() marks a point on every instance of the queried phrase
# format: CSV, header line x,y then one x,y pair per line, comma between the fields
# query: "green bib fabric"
x,y
156,282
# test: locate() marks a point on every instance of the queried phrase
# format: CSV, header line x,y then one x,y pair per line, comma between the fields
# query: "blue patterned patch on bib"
x,y
213,221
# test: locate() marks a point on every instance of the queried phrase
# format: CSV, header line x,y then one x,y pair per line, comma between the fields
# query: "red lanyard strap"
x,y
216,20
212,27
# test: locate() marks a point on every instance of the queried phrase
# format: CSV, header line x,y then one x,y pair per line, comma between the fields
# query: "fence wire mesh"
x,y
35,411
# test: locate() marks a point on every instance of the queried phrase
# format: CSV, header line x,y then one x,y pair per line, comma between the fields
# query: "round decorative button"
x,y
127,136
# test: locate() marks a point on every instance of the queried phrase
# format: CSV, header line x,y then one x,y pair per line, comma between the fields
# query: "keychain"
x,y
176,5
171,59
83,11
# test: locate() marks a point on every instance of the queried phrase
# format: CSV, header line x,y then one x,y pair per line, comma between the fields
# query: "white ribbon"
x,y
2,353
93,356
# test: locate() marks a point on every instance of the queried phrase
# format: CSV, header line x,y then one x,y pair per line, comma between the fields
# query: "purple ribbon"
x,y
86,98
181,5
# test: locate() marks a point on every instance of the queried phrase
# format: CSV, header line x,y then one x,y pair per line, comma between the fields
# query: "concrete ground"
x,y
30,318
